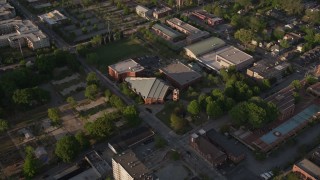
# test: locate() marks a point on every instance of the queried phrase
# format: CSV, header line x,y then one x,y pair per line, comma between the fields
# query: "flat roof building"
x,y
16,33
206,17
205,46
162,12
284,101
151,90
233,151
180,75
287,129
314,89
53,18
194,34
143,12
166,32
268,69
130,139
307,169
126,166
6,11
200,143
126,68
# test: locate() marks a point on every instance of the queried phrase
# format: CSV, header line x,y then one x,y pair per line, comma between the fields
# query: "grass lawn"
x,y
116,51
165,114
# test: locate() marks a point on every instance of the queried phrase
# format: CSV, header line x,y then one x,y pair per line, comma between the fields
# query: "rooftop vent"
x,y
277,133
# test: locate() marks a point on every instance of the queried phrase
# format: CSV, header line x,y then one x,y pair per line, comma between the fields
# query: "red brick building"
x,y
123,69
211,153
307,170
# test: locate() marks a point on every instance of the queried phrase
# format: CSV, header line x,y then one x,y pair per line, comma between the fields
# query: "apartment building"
x,y
126,166
16,33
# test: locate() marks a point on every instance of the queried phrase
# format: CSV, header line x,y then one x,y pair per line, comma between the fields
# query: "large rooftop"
x,y
167,30
205,46
181,73
223,142
233,55
148,87
132,165
128,65
268,68
52,17
187,27
309,167
283,99
290,125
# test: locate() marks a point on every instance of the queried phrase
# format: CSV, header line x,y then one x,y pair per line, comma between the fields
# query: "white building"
x,y
53,18
16,33
143,12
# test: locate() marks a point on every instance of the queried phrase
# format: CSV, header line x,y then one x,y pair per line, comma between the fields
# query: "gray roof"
x,y
181,73
310,168
127,66
233,55
148,87
205,46
167,30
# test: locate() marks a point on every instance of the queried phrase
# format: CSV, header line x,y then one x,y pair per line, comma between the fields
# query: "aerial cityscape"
x,y
160,89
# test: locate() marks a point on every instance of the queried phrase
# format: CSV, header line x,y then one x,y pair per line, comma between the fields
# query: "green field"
x,y
120,50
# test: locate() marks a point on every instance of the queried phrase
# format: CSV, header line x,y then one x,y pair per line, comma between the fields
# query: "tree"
x,y
101,128
296,97
177,123
160,142
96,40
284,43
214,110
30,165
92,78
92,58
193,108
3,125
67,148
239,113
91,91
30,96
312,16
131,114
202,100
54,115
244,35
115,101
244,3
72,102
256,115
311,79
296,84
278,33
82,140
107,93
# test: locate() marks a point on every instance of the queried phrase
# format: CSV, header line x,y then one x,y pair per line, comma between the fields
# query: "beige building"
x,y
24,32
126,166
53,18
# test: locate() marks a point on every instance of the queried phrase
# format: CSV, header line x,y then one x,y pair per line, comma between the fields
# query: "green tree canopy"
x,y
30,96
296,84
91,91
3,125
193,107
101,128
82,140
92,78
115,101
96,41
214,110
54,115
72,102
244,35
132,115
67,148
30,166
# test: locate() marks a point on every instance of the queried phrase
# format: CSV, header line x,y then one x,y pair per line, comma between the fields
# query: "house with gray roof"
x,y
152,90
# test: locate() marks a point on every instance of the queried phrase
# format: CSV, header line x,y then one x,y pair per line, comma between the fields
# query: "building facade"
x,y
126,68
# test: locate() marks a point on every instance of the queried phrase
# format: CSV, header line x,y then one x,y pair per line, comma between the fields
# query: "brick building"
x,y
307,170
123,69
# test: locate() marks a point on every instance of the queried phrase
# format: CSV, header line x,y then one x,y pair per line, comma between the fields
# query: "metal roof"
x,y
148,87
167,30
233,55
290,125
310,168
205,46
127,66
